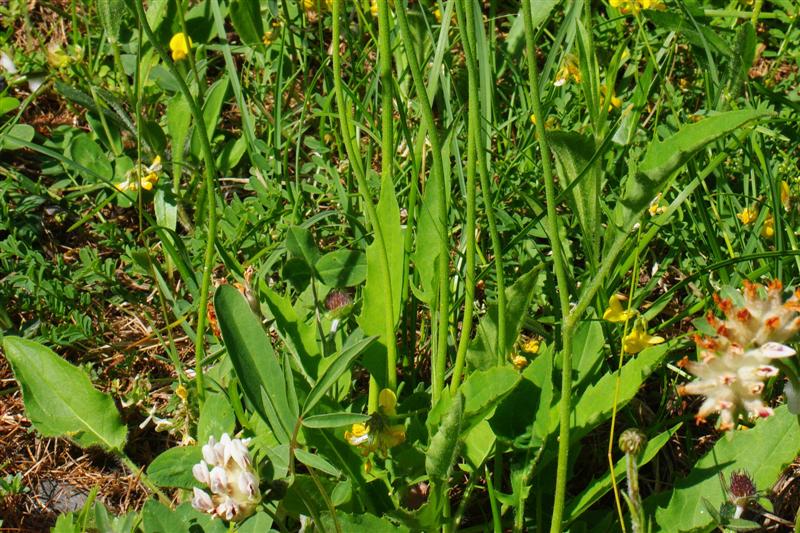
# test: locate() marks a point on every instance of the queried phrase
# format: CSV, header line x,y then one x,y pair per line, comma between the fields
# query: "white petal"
x,y
218,480
200,472
202,501
775,350
34,83
227,510
7,63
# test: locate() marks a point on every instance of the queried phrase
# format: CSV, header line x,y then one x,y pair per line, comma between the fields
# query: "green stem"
x,y
466,20
356,164
146,481
440,355
210,172
387,139
561,277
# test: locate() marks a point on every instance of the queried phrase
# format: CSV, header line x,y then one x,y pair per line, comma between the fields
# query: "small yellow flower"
x,y
655,208
533,119
531,346
373,8
615,312
786,196
768,229
748,215
180,44
570,70
437,14
520,362
181,392
638,339
378,434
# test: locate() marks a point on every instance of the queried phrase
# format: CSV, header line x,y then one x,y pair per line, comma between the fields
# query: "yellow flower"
x,y
638,339
182,393
786,196
437,14
533,119
768,229
180,44
141,176
615,312
655,208
373,8
570,70
531,346
377,434
748,215
520,362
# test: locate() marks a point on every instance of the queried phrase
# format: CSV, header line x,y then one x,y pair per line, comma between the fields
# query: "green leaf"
x,y
212,107
301,245
484,389
158,518
342,268
334,420
665,157
260,522
8,104
342,362
359,522
216,417
22,132
599,487
317,462
482,352
573,152
111,13
587,353
246,19
595,405
254,361
299,336
173,468
444,447
762,451
60,399
87,153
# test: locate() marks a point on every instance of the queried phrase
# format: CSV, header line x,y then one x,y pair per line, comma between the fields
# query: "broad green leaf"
x,y
60,399
260,522
301,245
303,495
595,405
212,107
216,417
599,487
695,32
111,13
8,104
483,389
529,404
359,522
87,153
479,443
158,518
246,19
573,152
587,352
299,336
445,444
342,362
665,157
334,420
377,296
342,268
254,361
762,451
179,117
22,132
173,468
482,352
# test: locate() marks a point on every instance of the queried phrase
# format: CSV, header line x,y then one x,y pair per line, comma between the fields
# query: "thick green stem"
x,y
561,277
466,24
387,139
439,363
355,163
210,172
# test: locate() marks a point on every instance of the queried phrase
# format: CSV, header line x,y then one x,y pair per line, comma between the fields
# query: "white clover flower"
x,y
735,363
227,470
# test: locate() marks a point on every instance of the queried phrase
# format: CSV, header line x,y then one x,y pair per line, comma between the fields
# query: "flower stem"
x,y
372,216
210,172
561,277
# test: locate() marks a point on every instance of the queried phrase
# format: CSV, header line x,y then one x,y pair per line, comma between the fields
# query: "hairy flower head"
x,y
734,363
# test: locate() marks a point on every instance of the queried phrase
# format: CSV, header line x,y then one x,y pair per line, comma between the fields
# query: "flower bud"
x,y
632,441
